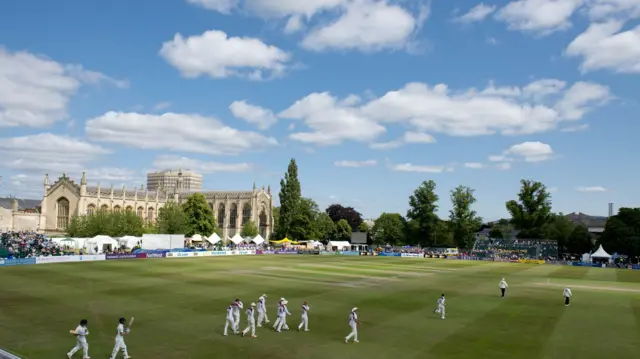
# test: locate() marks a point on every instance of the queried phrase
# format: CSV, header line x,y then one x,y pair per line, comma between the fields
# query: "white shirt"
x,y
305,309
441,302
283,311
82,333
262,305
237,307
567,292
353,318
250,316
230,312
503,285
120,331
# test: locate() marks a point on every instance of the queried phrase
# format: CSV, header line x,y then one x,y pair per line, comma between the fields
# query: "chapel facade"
x,y
64,198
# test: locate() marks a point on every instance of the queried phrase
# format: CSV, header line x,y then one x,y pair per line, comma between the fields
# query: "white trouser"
x,y
304,323
230,322
120,345
282,323
236,320
262,317
354,332
251,325
441,310
278,321
81,344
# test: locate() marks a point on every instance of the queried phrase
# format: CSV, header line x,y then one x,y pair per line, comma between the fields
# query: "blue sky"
x,y
371,97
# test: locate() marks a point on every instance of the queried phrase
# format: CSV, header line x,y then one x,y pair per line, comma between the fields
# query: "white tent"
x,y
340,245
196,238
100,241
258,240
600,253
237,239
214,238
316,244
129,241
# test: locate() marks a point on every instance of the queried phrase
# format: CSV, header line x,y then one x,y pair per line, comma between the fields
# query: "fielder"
x,y
230,320
305,317
503,286
440,308
275,325
120,345
567,296
251,321
81,333
353,323
236,314
262,310
282,315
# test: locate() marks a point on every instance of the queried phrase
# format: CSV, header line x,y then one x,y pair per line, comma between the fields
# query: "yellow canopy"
x,y
285,240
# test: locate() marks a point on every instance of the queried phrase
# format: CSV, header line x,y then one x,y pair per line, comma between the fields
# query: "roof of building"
x,y
7,202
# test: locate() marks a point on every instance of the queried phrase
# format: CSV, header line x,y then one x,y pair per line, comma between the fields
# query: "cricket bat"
x,y
131,322
73,332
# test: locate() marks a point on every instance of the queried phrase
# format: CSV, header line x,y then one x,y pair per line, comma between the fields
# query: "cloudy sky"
x,y
370,96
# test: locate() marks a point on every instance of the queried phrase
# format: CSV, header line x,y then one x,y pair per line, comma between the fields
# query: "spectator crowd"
x,y
27,245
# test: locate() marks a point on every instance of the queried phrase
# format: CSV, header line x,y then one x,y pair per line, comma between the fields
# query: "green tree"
x,y
200,218
463,220
559,228
113,224
323,227
249,230
443,235
290,194
389,228
343,231
276,220
496,233
532,209
579,240
172,219
423,205
622,233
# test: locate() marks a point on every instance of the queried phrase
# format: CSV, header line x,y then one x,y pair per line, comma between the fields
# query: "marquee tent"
x,y
339,244
214,238
196,238
600,253
258,240
129,241
237,239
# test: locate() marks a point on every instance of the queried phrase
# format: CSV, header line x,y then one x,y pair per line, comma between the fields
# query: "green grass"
x,y
180,304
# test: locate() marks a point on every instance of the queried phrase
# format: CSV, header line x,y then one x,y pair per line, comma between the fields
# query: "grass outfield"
x,y
180,305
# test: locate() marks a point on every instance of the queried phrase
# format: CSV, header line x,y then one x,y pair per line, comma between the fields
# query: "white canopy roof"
x,y
214,238
339,244
316,243
600,253
258,240
237,239
196,238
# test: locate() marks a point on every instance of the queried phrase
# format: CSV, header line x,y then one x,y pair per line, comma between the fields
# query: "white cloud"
x,y
284,8
217,55
48,152
535,108
222,6
294,24
500,158
367,25
407,138
476,14
474,165
504,166
162,106
176,132
256,115
492,41
168,161
607,9
332,121
35,91
531,151
591,189
542,17
578,128
581,98
409,167
603,46
355,164
552,189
